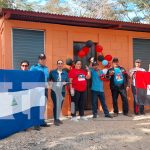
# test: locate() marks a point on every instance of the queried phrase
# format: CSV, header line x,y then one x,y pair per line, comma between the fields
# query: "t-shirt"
x,y
118,77
97,83
132,73
79,79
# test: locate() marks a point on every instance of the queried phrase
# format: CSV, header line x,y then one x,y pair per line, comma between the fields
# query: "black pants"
x,y
57,104
137,108
78,101
46,93
123,93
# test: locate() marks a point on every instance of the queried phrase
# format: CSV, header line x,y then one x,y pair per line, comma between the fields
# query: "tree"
x,y
6,3
96,9
17,4
133,10
55,6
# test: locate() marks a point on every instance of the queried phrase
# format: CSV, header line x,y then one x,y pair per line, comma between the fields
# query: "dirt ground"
x,y
120,133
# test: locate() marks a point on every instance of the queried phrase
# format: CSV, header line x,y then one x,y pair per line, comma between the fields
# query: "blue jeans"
x,y
95,96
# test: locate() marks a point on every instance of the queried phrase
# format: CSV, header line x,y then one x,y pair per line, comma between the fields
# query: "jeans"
x,y
78,101
137,108
95,96
123,93
57,104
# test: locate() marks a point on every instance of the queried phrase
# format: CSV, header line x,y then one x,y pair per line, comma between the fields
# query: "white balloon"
x,y
105,71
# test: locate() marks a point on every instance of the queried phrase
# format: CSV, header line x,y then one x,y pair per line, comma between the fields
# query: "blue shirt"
x,y
44,69
97,83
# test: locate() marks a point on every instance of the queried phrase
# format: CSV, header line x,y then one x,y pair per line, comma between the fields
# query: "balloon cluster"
x,y
83,51
105,60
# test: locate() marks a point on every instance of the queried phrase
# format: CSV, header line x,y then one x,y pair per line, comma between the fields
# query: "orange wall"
x,y
59,45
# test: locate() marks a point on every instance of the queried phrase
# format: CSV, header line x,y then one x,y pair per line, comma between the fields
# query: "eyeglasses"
x,y
60,63
24,65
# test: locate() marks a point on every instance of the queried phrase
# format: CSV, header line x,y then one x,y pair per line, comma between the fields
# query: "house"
x,y
25,34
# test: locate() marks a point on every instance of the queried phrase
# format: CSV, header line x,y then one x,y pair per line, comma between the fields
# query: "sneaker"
x,y
83,118
94,116
115,114
56,123
45,125
142,113
108,116
38,128
60,122
127,114
137,114
74,119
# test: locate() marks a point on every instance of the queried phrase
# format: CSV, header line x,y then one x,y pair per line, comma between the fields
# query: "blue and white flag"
x,y
22,100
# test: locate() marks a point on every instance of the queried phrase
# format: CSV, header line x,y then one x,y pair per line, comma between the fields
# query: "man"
x,y
98,90
138,108
41,66
119,84
59,79
24,65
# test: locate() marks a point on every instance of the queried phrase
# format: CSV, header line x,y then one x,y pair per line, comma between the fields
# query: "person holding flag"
x,y
59,79
119,84
24,65
138,108
41,66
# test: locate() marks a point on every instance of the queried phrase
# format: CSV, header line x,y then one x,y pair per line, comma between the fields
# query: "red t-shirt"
x,y
79,79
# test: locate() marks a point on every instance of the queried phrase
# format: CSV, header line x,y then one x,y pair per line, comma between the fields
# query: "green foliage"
x,y
134,10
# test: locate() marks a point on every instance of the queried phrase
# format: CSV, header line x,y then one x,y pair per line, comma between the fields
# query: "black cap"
x,y
115,60
42,56
95,63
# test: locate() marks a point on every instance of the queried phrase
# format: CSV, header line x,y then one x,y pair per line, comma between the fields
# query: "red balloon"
x,y
108,66
81,54
99,48
108,57
86,50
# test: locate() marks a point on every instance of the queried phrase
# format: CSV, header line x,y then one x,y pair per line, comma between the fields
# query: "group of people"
x,y
75,79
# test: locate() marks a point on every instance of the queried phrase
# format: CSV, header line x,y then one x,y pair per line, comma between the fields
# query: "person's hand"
x,y
72,92
111,73
127,88
87,68
64,83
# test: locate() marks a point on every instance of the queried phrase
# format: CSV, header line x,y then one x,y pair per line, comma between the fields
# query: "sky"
x,y
42,1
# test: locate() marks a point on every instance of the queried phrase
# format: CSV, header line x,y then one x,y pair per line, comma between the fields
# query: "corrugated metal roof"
x,y
16,14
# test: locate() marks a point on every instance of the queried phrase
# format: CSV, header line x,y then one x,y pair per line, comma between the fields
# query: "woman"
x,y
78,88
59,79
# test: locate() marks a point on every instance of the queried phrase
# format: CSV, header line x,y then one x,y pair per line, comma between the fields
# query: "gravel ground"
x,y
120,133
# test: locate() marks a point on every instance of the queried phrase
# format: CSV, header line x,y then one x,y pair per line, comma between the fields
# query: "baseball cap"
x,y
115,60
42,56
138,60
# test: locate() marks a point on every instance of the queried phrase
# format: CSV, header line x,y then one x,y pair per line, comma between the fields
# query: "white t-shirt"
x,y
132,73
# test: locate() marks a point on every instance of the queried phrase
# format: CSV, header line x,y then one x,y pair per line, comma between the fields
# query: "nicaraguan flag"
x,y
22,100
142,81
